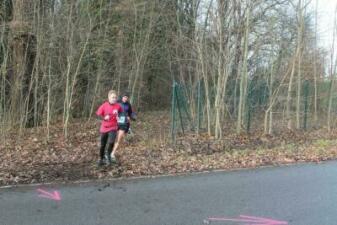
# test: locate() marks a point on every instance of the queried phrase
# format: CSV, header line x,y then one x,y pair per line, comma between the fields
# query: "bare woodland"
x,y
256,62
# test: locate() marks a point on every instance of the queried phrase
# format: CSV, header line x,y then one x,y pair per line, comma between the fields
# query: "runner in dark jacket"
x,y
124,119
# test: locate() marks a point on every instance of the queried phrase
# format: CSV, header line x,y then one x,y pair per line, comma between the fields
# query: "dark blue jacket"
x,y
127,108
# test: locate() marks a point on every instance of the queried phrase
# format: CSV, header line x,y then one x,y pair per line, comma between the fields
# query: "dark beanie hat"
x,y
125,94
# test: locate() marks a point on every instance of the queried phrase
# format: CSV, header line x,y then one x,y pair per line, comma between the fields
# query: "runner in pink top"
x,y
108,112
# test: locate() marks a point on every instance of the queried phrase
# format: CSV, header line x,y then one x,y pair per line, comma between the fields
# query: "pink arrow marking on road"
x,y
251,220
53,196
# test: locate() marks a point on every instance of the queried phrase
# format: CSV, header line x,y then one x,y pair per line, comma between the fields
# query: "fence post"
x,y
249,106
306,93
198,106
179,109
173,112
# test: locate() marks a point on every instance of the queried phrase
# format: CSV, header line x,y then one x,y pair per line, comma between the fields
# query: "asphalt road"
x,y
296,195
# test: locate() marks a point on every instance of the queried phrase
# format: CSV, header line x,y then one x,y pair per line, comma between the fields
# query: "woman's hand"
x,y
107,117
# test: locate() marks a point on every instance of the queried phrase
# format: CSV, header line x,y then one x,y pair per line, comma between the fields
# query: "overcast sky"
x,y
326,11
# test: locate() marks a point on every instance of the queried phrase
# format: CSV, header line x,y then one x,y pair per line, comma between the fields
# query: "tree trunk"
x,y
23,56
244,75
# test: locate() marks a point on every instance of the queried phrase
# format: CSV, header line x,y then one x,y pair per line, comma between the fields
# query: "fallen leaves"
x,y
31,158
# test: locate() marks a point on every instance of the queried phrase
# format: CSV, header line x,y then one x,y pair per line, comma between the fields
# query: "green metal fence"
x,y
188,104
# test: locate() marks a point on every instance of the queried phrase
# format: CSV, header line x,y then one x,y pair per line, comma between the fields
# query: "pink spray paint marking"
x,y
53,196
251,220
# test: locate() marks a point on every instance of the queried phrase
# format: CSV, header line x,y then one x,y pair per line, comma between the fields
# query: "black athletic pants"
x,y
107,138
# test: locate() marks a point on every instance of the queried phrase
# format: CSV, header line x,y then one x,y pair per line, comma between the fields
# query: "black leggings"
x,y
109,138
